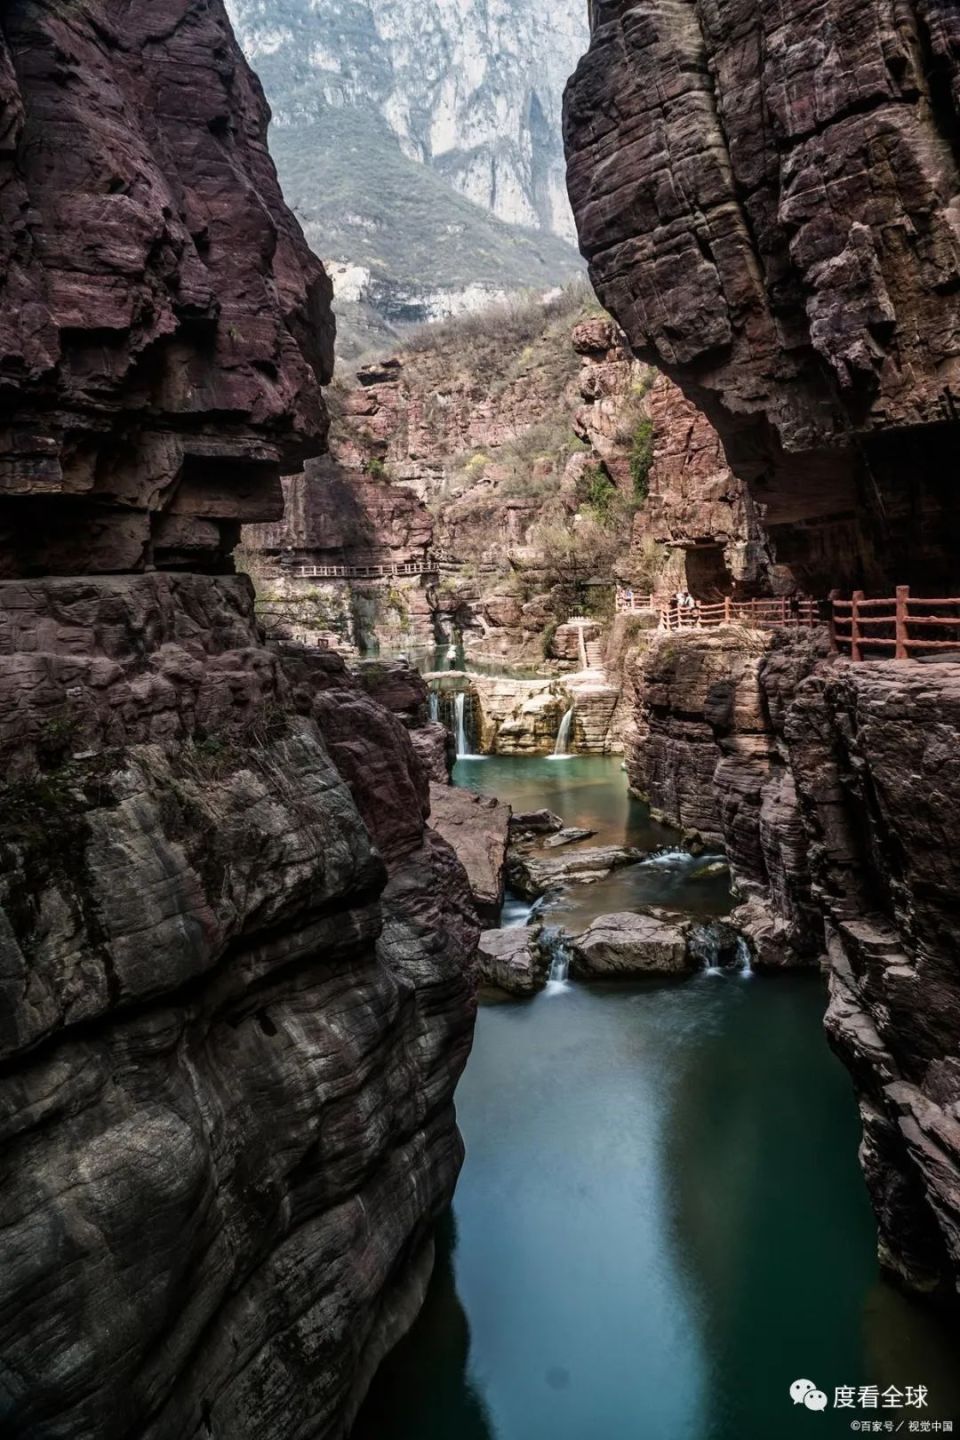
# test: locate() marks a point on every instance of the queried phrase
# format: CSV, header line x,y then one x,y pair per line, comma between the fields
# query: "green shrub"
x,y
641,457
600,495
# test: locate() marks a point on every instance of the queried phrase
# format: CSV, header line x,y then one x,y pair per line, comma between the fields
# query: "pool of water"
x,y
660,1225
591,791
661,1222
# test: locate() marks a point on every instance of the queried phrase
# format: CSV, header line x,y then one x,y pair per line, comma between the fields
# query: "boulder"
x,y
477,827
536,822
646,943
533,875
513,960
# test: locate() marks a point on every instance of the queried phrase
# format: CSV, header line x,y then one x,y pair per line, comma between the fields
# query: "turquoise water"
x,y
591,791
660,1225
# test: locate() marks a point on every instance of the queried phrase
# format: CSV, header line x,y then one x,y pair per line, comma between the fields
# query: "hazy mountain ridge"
x,y
420,142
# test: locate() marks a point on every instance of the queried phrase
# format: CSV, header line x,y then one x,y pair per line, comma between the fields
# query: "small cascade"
x,y
434,706
460,728
744,959
561,751
582,647
555,943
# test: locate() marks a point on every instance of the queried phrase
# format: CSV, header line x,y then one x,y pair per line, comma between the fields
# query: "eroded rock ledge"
x,y
832,787
237,993
236,963
767,196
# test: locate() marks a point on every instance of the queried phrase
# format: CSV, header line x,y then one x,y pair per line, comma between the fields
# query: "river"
x,y
661,1223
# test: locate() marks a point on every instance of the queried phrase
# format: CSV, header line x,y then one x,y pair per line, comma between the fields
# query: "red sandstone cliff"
x,y
236,965
767,196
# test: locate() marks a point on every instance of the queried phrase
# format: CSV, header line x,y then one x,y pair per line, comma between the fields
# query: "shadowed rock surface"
x,y
767,199
237,967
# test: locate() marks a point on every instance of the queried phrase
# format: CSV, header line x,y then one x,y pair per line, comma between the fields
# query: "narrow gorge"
x,y
478,892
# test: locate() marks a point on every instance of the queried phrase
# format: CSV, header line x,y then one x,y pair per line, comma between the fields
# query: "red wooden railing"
x,y
765,614
889,624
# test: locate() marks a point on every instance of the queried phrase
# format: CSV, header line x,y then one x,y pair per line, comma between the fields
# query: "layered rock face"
x,y
829,786
767,198
164,324
236,962
873,750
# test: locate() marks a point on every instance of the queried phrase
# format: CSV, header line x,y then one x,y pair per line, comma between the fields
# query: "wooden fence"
x,y
890,625
428,566
764,614
628,603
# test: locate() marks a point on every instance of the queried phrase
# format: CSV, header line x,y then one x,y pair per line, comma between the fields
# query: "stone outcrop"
x,y
873,750
768,204
211,981
632,943
477,827
237,965
162,322
513,960
532,875
707,750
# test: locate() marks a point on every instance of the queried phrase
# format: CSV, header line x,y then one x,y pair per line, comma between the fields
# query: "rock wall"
x,y
767,200
236,963
830,785
163,322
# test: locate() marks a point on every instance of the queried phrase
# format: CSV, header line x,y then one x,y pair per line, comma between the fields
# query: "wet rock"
x,y
534,822
532,875
568,836
715,944
632,943
477,827
513,960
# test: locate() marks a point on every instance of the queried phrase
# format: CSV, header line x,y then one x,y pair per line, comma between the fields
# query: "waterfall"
x,y
434,705
460,727
555,944
744,959
561,751
582,645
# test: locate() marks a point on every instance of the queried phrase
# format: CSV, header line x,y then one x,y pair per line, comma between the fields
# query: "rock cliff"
x,y
828,785
767,197
237,965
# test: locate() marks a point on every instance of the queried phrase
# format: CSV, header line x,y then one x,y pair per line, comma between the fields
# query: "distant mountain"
x,y
419,143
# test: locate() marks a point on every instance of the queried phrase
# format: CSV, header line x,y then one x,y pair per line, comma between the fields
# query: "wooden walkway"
x,y
430,565
763,614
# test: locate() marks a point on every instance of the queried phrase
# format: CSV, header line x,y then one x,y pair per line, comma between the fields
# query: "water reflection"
x,y
423,1385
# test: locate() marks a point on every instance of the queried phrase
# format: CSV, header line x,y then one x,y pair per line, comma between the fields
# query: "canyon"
x,y
332,706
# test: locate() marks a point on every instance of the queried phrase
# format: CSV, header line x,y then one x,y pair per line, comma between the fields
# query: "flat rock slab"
x,y
513,960
535,822
568,836
632,944
477,826
533,875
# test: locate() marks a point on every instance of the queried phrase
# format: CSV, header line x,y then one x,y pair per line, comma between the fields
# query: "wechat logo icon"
x,y
804,1392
